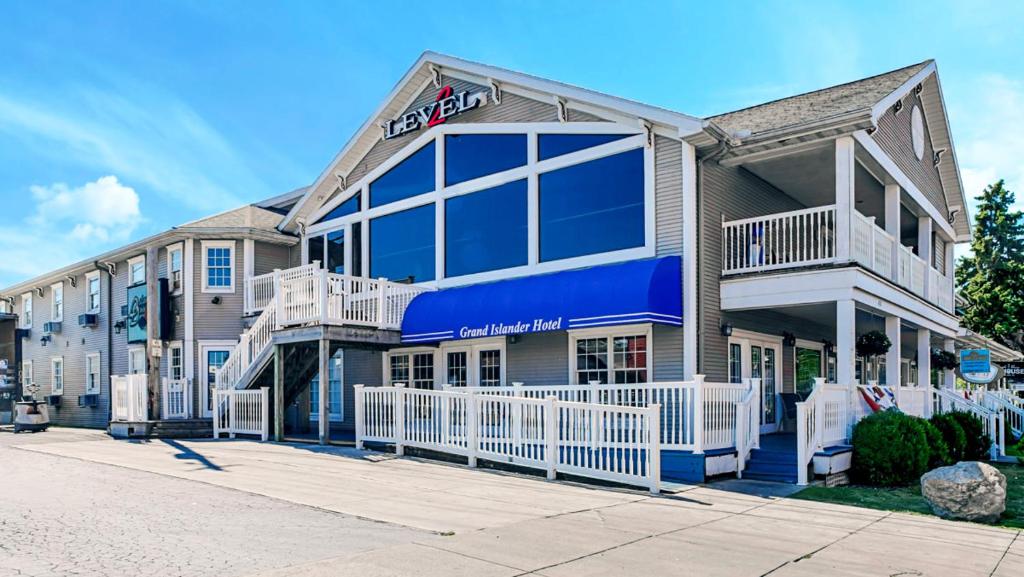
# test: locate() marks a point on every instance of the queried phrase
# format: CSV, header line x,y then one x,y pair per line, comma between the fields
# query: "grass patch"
x,y
909,499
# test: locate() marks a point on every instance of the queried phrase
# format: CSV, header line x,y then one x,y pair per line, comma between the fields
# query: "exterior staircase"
x,y
775,460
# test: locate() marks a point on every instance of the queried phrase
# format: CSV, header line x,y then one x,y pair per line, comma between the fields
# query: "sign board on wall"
x,y
447,104
1014,373
136,313
975,361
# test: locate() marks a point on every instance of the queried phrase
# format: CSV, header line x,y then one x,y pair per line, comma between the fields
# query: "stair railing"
x,y
748,424
947,400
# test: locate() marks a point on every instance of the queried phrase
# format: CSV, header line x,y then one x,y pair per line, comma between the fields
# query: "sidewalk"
x,y
487,523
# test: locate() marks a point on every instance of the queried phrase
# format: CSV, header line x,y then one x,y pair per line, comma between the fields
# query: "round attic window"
x,y
917,132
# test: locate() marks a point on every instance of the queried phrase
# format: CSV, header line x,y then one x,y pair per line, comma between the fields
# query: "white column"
x,y
844,197
924,248
892,226
924,363
948,376
690,256
846,338
892,358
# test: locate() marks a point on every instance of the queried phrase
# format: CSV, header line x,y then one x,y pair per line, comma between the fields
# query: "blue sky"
x,y
121,119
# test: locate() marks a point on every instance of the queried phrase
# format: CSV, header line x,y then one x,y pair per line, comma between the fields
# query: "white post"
x,y
323,405
801,444
1000,422
472,426
756,413
948,376
846,338
216,414
924,362
924,250
698,414
654,419
277,302
844,197
551,435
399,419
819,413
230,395
893,358
892,226
323,297
381,284
265,413
360,401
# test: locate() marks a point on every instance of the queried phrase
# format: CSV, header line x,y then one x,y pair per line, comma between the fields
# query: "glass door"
x,y
769,388
753,358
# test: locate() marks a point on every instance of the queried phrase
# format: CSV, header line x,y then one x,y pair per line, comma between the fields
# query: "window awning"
x,y
642,291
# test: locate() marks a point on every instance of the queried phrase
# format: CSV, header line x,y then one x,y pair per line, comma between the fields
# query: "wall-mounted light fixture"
x,y
45,339
725,329
215,300
120,326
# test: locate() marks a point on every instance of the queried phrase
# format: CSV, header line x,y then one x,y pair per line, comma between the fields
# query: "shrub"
x,y
938,451
889,449
953,435
978,442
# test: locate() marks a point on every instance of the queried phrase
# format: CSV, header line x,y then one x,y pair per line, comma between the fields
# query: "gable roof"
x,y
817,106
415,79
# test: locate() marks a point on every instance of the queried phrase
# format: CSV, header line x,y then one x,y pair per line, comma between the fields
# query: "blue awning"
x,y
642,291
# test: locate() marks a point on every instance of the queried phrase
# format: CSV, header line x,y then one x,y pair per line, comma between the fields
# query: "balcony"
x,y
809,237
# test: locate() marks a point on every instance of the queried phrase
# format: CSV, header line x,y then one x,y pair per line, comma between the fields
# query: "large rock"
x,y
969,490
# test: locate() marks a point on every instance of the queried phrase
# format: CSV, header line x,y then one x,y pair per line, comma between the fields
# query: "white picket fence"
x,y
241,412
823,419
1011,405
683,404
601,441
129,398
175,398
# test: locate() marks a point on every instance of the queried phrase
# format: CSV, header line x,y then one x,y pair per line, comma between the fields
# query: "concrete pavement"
x,y
466,522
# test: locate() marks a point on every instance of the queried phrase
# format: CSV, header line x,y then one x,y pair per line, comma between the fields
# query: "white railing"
x,y
798,238
249,348
175,398
1012,408
130,397
683,405
241,412
912,271
940,289
610,442
871,246
822,420
947,400
259,290
748,425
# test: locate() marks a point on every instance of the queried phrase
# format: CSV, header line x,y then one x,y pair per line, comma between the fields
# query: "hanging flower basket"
x,y
943,360
873,344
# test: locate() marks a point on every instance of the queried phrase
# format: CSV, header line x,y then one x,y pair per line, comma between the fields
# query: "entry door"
x,y
335,388
764,365
213,359
480,365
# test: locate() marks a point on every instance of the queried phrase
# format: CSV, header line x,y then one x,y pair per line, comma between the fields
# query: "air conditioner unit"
x,y
51,327
88,320
53,400
89,400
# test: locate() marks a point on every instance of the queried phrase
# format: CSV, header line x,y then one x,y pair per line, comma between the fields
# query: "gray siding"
x,y
668,195
361,367
732,193
218,321
539,359
269,256
667,353
894,137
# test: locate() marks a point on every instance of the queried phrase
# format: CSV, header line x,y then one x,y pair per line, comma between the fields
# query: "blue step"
x,y
772,456
773,477
772,468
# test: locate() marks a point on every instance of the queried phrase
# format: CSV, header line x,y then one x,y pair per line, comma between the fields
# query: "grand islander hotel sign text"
x,y
520,327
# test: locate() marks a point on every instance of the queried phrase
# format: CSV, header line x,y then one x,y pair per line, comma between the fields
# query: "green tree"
x,y
991,278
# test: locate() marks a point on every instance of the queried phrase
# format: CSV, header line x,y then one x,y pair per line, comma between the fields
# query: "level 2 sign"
x,y
975,361
447,104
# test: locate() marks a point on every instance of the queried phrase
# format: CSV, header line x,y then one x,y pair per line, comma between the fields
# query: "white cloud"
x,y
987,116
69,224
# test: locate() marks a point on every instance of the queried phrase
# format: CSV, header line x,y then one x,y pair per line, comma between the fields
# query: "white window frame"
x,y
57,315
228,244
530,172
92,361
27,311
28,376
472,348
178,249
338,417
132,263
205,347
409,352
56,388
610,333
171,347
89,277
132,351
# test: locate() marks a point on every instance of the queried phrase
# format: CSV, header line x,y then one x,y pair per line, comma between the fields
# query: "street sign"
x,y
1014,373
975,361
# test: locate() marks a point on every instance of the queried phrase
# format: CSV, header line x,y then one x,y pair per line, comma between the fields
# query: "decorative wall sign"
x,y
446,105
1014,373
975,361
136,317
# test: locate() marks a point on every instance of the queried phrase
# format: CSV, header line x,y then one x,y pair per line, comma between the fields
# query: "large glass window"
x,y
552,145
808,367
412,176
336,251
611,359
486,230
591,361
594,207
630,359
469,156
219,267
458,368
490,368
357,249
402,245
350,206
315,250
